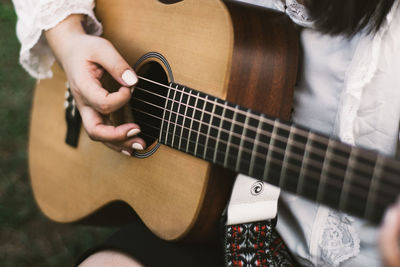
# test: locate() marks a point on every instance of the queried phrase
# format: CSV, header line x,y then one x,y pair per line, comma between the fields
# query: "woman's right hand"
x,y
84,59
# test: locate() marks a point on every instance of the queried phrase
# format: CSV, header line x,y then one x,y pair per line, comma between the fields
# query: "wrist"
x,y
72,24
64,33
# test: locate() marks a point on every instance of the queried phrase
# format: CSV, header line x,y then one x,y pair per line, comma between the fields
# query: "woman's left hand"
x,y
390,236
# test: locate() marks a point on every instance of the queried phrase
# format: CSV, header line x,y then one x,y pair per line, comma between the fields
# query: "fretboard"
x,y
298,160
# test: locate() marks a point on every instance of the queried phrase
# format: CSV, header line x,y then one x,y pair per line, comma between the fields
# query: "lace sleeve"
x,y
35,16
296,12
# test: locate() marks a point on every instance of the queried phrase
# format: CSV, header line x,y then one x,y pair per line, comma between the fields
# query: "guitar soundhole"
x,y
148,100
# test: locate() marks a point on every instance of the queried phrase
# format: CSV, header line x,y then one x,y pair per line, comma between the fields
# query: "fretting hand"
x,y
390,236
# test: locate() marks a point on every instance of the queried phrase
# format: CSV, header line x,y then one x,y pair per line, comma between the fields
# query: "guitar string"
x,y
267,120
363,180
297,156
248,139
270,122
383,198
182,92
320,152
259,155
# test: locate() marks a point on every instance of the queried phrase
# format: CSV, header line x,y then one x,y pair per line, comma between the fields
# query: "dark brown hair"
x,y
348,16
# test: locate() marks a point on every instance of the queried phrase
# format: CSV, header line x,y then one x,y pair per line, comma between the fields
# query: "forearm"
x,y
60,36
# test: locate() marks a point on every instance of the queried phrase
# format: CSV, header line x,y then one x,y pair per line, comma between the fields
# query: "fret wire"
x,y
219,133
282,178
304,162
192,119
346,182
322,182
374,183
255,146
200,122
332,182
277,137
270,151
184,119
352,202
278,124
170,114
163,116
229,138
238,159
209,129
177,116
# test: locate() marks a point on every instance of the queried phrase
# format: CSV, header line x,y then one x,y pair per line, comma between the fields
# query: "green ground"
x,y
27,238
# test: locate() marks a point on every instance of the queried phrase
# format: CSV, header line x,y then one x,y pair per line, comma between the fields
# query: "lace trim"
x,y
339,241
361,71
298,13
36,56
335,240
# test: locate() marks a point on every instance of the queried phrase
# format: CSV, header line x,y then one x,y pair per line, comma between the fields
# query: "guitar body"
x,y
224,49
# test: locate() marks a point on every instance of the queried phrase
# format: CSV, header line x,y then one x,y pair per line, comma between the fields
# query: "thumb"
x,y
115,64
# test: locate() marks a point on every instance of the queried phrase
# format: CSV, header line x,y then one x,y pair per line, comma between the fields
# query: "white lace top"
x,y
34,16
348,88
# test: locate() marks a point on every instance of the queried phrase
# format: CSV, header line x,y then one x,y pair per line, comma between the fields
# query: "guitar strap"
x,y
250,236
252,200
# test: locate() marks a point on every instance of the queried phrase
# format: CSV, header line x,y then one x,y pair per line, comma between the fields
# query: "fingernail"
x,y
126,153
137,146
129,77
133,132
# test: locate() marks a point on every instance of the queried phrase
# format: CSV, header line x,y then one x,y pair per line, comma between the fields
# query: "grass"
x,y
27,238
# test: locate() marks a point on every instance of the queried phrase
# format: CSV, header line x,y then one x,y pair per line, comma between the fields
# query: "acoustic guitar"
x,y
214,94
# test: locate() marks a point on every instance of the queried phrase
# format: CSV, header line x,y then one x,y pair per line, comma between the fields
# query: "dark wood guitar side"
x,y
263,76
236,52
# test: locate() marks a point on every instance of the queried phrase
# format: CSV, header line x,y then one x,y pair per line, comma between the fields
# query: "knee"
x,y
108,258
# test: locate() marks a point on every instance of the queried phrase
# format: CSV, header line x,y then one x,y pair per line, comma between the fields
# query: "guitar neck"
x,y
314,166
